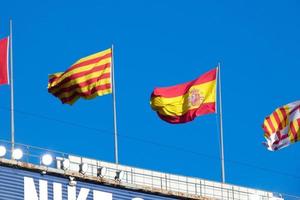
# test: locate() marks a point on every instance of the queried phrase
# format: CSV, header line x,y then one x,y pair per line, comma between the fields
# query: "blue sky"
x,y
160,43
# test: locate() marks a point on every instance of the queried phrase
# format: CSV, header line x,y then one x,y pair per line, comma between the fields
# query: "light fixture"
x,y
72,181
43,172
65,164
2,151
47,159
17,154
101,171
119,175
83,168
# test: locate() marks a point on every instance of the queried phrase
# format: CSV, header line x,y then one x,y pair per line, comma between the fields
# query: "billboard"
x,y
20,184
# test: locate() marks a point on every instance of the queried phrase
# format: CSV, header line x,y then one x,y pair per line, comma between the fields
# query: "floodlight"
x,y
83,168
65,164
47,159
17,154
101,171
2,151
119,175
72,181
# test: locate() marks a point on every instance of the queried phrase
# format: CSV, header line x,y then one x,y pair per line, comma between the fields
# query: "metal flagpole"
x,y
114,104
221,125
11,88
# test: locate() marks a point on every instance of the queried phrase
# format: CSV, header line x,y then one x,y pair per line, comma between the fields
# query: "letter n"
x,y
30,190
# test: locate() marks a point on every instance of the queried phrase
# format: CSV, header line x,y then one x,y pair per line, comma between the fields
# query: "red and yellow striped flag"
x,y
87,78
182,103
282,127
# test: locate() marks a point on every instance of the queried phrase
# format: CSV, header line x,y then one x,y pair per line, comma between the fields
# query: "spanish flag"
x,y
282,127
87,78
184,102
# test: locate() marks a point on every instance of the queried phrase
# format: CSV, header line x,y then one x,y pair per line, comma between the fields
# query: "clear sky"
x,y
160,43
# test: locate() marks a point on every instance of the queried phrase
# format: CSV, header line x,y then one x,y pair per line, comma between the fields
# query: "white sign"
x,y
30,192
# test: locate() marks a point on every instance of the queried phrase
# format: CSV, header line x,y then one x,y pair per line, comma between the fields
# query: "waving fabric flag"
x,y
87,78
4,60
282,126
182,103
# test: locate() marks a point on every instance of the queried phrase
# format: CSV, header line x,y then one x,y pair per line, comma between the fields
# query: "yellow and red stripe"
x,y
282,127
87,78
277,120
182,103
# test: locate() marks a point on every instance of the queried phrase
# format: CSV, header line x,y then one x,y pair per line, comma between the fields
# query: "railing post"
x,y
166,181
28,154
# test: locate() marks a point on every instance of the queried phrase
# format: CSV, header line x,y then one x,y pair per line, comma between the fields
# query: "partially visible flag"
x,y
182,103
282,126
4,61
87,78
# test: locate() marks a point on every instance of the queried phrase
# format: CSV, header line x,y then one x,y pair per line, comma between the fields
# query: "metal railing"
x,y
136,178
178,185
31,154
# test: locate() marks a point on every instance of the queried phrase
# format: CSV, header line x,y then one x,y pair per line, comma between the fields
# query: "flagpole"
x,y
11,88
114,104
221,126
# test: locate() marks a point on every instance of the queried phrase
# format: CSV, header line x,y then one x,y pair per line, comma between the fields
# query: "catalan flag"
x,y
87,78
182,103
4,43
282,126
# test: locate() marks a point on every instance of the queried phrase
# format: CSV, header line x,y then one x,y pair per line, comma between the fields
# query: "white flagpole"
x,y
221,125
12,120
114,104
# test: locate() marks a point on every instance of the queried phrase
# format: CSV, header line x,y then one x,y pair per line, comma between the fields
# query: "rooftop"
x,y
132,178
